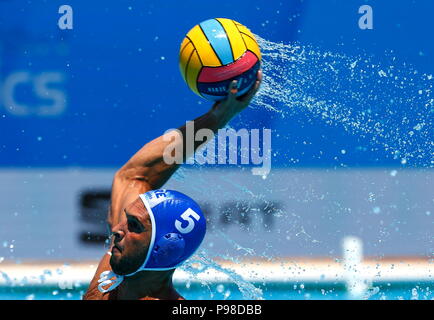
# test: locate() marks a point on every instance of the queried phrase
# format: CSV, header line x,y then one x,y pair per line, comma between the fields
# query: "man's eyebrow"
x,y
134,217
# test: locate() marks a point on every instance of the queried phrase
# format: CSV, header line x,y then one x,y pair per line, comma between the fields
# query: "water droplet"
x,y
227,294
414,294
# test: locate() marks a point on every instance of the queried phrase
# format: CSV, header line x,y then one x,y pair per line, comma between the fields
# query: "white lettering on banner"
x,y
41,87
9,86
42,83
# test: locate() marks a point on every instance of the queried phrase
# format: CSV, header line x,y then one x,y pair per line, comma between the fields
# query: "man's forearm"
x,y
210,120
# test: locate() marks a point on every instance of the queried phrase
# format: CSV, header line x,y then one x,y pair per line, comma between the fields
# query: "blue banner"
x,y
92,95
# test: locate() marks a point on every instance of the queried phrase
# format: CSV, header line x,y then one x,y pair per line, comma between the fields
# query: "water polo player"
x,y
154,230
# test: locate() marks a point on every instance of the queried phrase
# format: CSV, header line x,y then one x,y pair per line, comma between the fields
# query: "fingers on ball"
x,y
233,87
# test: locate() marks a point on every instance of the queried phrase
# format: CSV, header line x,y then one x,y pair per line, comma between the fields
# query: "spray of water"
x,y
201,263
389,103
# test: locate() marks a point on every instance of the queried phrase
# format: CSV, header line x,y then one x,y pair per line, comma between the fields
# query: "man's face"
x,y
132,237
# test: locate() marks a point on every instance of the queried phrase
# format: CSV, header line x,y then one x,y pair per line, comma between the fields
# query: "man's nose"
x,y
118,233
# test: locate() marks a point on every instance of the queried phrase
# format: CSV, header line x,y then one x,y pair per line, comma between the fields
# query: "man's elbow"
x,y
125,174
120,175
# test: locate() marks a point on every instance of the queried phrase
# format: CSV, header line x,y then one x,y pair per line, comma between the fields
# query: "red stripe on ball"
x,y
216,74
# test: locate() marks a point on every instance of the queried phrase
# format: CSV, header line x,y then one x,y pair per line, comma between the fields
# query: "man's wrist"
x,y
220,116
217,117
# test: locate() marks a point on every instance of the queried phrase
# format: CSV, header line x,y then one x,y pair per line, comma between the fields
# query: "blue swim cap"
x,y
178,228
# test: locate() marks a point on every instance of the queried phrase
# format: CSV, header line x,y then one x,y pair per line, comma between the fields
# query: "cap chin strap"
x,y
105,279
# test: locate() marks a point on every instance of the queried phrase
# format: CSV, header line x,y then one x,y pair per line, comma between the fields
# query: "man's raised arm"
x,y
148,164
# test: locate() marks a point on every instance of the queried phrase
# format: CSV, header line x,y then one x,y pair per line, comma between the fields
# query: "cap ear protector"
x,y
170,246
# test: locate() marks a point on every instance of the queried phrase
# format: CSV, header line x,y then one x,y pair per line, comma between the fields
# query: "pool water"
x,y
279,291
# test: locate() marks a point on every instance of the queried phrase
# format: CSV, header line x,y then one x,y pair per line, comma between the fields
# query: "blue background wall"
x,y
122,85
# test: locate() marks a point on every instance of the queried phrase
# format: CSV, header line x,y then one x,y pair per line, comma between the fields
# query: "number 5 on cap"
x,y
187,216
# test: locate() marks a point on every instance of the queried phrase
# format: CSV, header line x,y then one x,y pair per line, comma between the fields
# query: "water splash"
x,y
247,289
244,250
390,103
379,99
6,278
